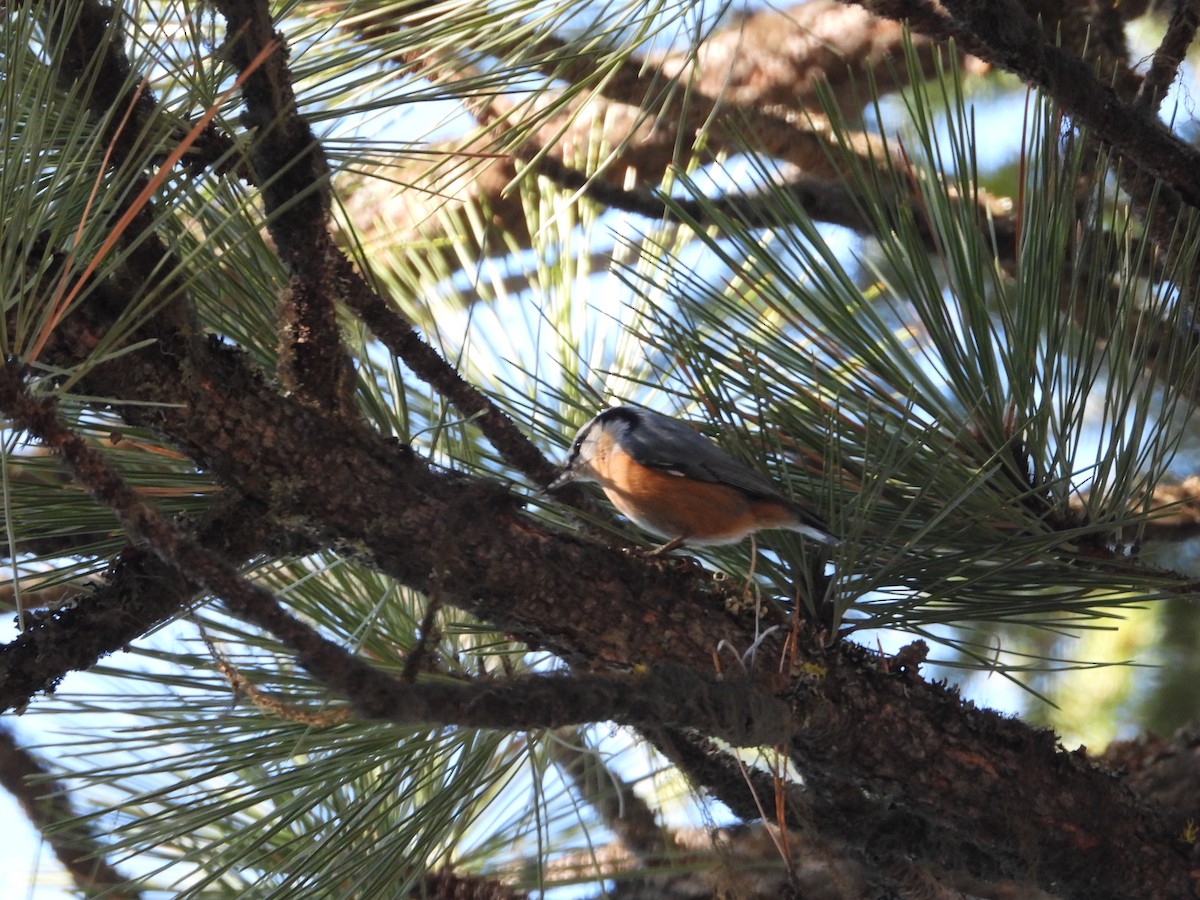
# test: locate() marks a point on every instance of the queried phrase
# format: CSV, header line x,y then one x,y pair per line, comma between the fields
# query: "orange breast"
x,y
674,506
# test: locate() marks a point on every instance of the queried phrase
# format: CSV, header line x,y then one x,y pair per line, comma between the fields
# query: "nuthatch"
x,y
674,482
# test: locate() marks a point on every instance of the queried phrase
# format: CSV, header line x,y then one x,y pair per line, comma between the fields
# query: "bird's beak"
x,y
566,477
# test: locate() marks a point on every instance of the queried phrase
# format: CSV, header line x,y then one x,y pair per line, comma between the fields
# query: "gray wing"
x,y
661,442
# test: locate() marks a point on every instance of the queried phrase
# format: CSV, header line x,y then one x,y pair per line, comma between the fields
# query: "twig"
x,y
1164,67
401,338
616,802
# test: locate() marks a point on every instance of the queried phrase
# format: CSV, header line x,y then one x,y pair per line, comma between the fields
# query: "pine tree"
x,y
303,304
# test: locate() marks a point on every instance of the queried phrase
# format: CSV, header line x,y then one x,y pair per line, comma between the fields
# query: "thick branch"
x,y
753,82
505,568
733,711
291,168
672,694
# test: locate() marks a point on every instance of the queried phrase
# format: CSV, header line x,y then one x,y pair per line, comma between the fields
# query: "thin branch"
x,y
822,200
271,704
610,795
1164,67
401,338
48,806
1021,46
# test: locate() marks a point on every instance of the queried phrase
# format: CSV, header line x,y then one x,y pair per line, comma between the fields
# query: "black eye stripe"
x,y
577,445
609,421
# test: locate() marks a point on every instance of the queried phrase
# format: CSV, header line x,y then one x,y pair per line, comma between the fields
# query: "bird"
x,y
669,479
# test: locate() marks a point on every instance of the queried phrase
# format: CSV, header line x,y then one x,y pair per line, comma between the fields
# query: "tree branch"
x,y
616,802
48,806
671,694
293,175
733,98
1016,42
86,37
1164,66
138,592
